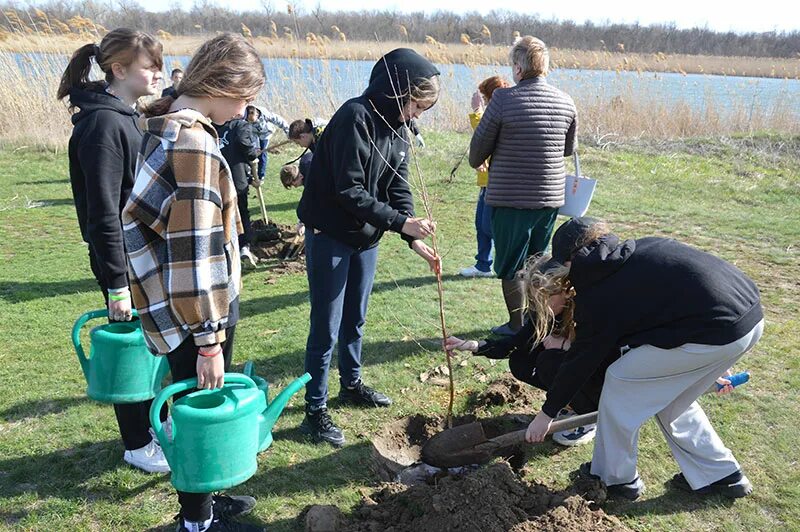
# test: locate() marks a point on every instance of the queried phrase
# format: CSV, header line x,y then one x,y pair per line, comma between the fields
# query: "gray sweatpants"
x,y
665,383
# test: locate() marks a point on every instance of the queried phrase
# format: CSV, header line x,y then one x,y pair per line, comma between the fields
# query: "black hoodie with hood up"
x,y
650,291
353,195
102,164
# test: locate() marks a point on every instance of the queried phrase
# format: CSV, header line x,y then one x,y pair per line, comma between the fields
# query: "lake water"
x,y
337,80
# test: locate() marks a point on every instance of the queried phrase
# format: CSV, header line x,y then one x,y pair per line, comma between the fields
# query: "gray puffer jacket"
x,y
526,130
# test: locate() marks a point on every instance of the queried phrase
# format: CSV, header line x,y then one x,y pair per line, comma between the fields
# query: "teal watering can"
x,y
119,369
216,434
265,437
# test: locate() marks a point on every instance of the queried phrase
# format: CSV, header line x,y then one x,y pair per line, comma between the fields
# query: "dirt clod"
x,y
508,391
490,499
323,518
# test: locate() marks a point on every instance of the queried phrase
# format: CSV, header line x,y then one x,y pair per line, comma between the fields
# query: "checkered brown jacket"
x,y
181,225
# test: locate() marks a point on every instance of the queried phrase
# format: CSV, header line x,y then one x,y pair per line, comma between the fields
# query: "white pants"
x,y
649,381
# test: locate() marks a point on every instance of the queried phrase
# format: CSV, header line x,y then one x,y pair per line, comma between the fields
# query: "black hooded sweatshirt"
x,y
102,161
651,291
353,195
239,145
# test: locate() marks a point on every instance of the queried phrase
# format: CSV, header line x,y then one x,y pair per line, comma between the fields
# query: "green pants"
x,y
518,234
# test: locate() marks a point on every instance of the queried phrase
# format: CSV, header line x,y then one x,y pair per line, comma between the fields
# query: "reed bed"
x,y
312,76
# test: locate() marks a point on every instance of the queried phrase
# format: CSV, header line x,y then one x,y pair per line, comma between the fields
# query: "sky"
x,y
733,15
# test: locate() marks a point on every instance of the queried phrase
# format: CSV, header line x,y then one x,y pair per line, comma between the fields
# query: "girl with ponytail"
x,y
102,159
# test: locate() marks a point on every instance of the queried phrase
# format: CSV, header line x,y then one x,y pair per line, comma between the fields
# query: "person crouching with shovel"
x,y
537,363
684,316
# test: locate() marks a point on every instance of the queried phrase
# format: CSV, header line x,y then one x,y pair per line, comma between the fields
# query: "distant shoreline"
x,y
467,54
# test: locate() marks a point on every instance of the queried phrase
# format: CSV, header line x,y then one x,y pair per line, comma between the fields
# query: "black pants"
x,y
539,368
183,365
133,419
246,237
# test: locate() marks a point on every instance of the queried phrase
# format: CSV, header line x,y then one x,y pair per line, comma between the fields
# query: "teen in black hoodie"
x,y
684,316
239,145
357,191
102,158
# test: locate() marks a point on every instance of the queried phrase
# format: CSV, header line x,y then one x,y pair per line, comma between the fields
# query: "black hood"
x,y
89,101
598,260
391,75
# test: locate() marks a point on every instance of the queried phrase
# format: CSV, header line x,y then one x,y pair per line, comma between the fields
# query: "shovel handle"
x,y
518,436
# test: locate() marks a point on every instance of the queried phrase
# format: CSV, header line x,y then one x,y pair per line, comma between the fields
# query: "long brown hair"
x,y
226,66
121,45
539,286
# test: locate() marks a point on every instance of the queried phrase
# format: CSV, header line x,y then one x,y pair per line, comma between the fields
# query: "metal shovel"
x,y
467,444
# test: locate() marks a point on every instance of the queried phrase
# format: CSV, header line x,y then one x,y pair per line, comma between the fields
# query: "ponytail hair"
x,y
226,66
121,45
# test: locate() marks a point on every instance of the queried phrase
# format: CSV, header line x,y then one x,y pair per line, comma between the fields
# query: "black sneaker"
x,y
223,524
630,490
319,425
232,505
734,486
362,395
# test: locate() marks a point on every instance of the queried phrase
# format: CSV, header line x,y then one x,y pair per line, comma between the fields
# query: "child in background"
x,y
483,212
239,145
265,124
306,132
180,224
176,77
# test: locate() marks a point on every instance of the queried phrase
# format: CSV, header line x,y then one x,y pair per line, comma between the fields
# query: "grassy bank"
x,y
60,454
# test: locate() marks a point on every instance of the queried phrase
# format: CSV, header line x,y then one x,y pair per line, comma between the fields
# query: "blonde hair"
x,y
288,175
539,286
425,90
226,66
532,56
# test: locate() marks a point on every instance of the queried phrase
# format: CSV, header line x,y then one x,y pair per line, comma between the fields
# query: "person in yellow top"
x,y
483,212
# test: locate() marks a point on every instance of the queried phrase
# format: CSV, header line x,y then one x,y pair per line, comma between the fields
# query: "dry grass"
x,y
31,63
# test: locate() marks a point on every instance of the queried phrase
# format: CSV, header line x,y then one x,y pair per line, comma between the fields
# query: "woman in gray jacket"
x,y
526,130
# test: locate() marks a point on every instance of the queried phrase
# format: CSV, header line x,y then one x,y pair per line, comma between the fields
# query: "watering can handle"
x,y
76,334
183,386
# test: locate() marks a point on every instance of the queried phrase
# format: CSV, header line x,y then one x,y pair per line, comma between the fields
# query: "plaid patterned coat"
x,y
180,226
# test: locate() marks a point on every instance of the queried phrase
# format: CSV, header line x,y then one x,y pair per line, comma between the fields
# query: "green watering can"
x,y
216,434
265,436
119,369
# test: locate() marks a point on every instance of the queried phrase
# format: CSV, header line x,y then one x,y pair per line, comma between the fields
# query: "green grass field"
x,y
60,454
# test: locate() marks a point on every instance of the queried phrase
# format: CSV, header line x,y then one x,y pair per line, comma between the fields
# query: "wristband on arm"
x,y
212,354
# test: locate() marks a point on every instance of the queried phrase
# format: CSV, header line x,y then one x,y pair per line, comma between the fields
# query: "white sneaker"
x,y
149,458
248,256
167,430
579,436
472,271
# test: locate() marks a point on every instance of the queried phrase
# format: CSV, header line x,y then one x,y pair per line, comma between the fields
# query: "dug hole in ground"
x,y
417,497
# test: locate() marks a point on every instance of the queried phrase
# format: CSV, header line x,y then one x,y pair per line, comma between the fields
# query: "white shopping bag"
x,y
578,192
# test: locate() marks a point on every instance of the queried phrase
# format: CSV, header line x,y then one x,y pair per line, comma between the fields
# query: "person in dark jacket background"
x,y
685,318
176,76
356,191
102,159
527,130
239,145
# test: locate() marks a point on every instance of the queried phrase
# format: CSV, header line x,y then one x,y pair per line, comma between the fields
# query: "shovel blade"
x,y
456,447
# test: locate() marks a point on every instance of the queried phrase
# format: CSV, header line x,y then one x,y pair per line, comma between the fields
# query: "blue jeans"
x,y
262,159
339,283
483,230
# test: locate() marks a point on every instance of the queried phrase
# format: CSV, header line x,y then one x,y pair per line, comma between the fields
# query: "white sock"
x,y
198,526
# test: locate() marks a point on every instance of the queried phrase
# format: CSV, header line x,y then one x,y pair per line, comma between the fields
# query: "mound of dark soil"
x,y
491,499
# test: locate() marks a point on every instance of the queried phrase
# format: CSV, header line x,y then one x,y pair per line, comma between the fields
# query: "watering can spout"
x,y
276,406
